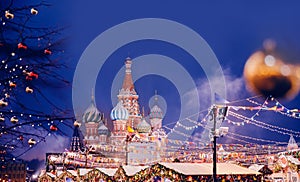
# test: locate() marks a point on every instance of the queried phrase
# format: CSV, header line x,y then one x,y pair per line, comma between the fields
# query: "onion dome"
x,y
102,129
119,112
156,112
92,114
144,126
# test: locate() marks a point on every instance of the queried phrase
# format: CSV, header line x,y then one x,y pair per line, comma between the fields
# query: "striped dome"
x,y
92,114
144,127
156,112
119,112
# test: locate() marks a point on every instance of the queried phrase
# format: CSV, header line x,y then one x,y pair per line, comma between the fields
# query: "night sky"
x,y
233,30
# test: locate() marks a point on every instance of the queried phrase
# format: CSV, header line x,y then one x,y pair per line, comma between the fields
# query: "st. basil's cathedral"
x,y
132,140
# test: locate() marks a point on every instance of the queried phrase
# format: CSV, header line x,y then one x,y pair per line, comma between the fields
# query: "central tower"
x,y
129,98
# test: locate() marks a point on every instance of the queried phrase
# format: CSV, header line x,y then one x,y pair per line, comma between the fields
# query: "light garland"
x,y
263,125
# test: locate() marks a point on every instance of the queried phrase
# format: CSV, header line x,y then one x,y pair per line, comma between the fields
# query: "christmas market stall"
x,y
128,173
264,169
101,174
199,171
288,164
46,177
83,173
67,175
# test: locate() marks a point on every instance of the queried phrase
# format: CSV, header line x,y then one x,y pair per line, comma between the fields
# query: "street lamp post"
x,y
215,112
218,112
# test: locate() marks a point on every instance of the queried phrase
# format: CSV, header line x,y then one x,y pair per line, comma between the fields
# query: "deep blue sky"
x,y
233,29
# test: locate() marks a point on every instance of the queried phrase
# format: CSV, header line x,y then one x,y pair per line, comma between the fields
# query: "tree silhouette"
x,y
30,67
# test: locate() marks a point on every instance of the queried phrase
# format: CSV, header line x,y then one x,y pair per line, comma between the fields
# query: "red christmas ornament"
x,y
28,78
22,46
32,74
48,51
21,137
53,128
12,84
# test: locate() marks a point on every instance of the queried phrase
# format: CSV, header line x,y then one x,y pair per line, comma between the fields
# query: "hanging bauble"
x,y
2,119
77,124
29,90
14,120
53,128
32,74
21,137
3,103
31,142
48,51
12,84
22,46
9,15
28,78
268,74
34,11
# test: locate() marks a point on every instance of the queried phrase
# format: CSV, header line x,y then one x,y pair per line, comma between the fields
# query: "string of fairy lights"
x,y
270,104
29,60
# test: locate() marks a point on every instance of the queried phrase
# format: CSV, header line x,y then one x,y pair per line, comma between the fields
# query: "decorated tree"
x,y
30,69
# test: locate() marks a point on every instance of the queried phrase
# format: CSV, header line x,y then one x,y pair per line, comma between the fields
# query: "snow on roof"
x,y
59,172
188,168
83,171
73,172
293,160
255,167
132,170
51,175
207,168
108,171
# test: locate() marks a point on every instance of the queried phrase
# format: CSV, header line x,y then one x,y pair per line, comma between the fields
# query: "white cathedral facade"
x,y
133,139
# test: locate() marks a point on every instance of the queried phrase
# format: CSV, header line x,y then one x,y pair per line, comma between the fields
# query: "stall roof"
x,y
293,160
108,171
84,171
132,170
207,168
256,167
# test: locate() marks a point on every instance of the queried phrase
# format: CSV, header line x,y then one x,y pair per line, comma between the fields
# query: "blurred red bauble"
x,y
267,74
53,128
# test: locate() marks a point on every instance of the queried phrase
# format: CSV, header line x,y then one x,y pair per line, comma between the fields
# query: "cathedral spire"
x,y
93,97
128,83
